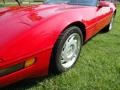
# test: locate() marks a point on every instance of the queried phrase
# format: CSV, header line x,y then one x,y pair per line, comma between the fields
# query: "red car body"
x,y
32,31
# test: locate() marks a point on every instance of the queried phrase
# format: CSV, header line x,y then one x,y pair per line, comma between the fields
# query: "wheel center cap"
x,y
70,51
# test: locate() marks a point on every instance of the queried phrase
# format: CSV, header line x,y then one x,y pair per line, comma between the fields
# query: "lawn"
x,y
98,67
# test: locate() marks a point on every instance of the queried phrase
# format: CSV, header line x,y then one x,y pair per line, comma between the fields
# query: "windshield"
x,y
73,2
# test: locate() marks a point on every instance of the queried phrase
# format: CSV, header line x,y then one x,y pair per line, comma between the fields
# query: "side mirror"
x,y
103,3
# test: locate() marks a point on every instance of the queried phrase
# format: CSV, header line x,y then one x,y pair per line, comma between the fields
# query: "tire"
x,y
109,26
66,50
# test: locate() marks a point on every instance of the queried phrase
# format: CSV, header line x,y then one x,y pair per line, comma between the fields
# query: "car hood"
x,y
15,21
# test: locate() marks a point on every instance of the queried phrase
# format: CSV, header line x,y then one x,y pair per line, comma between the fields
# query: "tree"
x,y
4,2
19,2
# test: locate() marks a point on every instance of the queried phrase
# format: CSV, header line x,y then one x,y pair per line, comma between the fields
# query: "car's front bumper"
x,y
14,77
39,68
29,72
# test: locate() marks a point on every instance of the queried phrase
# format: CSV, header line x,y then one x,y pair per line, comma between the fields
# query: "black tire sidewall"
x,y
62,39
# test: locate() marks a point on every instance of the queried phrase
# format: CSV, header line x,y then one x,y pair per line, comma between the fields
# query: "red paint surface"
x,y
32,32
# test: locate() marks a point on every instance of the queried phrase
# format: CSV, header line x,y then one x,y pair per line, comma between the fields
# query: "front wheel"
x,y
67,49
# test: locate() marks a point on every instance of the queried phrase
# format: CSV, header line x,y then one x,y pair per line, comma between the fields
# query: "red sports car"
x,y
36,40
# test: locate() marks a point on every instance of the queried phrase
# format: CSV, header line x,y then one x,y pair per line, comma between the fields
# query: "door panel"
x,y
89,19
103,17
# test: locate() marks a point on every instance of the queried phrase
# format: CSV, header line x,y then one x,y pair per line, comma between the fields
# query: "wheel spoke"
x,y
70,50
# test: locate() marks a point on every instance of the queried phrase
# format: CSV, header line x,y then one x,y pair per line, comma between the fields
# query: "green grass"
x,y
98,68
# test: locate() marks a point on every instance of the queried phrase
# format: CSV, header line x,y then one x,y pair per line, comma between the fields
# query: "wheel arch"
x,y
83,30
80,25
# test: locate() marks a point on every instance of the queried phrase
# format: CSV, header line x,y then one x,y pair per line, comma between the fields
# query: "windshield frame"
x,y
81,4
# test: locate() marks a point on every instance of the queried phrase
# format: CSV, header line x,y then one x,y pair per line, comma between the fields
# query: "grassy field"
x,y
98,68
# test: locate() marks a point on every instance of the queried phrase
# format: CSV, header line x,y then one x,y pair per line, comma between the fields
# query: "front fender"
x,y
39,38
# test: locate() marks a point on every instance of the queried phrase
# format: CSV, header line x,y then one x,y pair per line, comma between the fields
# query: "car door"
x,y
103,15
89,16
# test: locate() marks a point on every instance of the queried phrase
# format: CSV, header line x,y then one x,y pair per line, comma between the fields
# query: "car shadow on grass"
x,y
27,83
